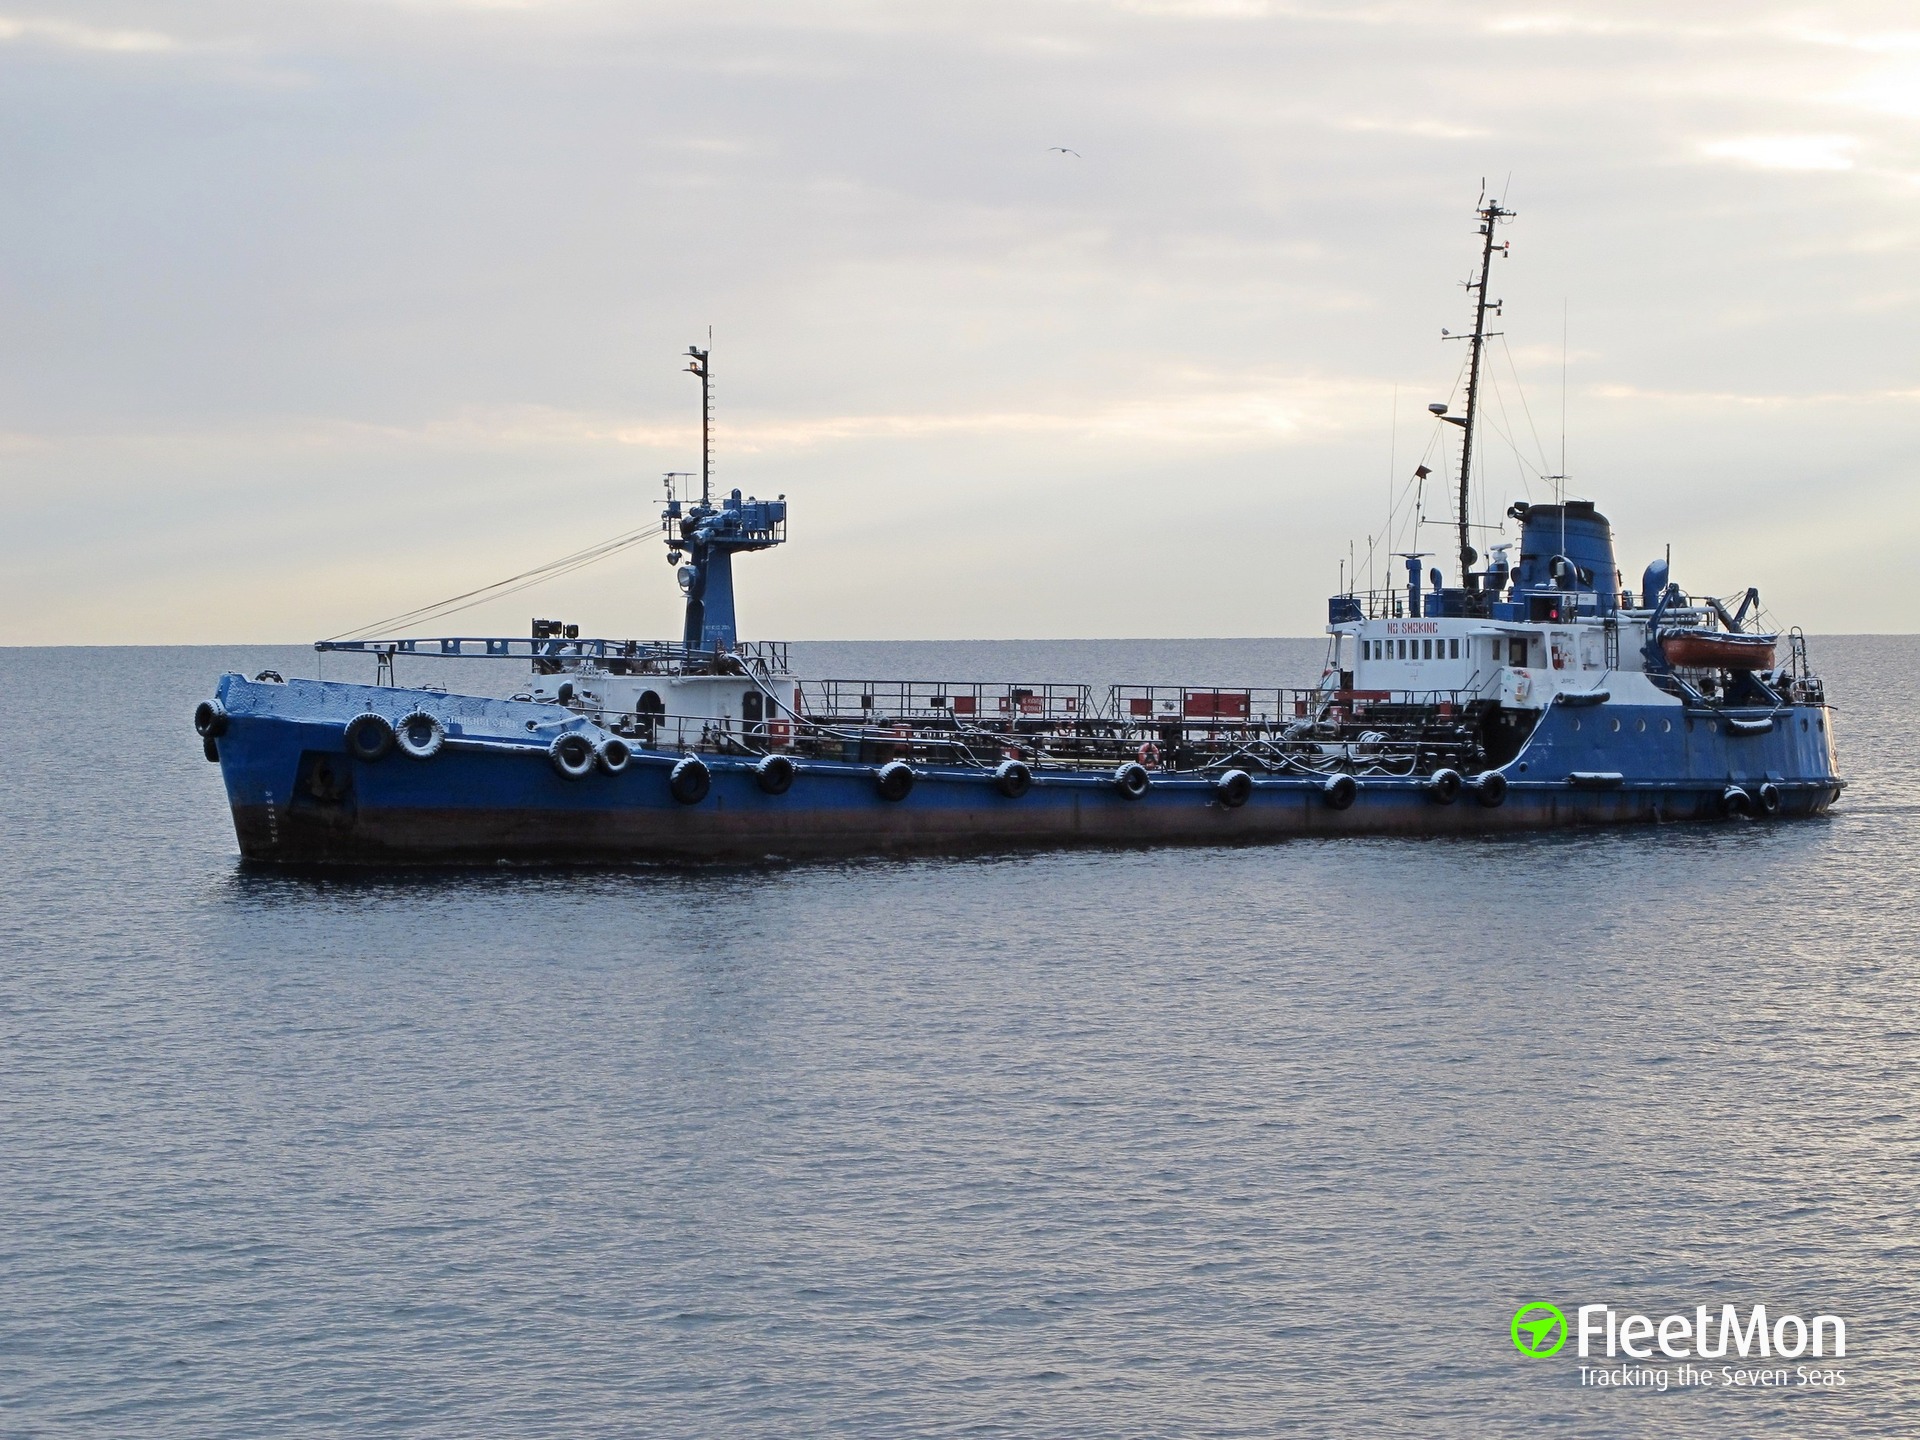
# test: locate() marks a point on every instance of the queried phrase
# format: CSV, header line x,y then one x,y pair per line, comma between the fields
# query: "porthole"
x,y
1713,727
1616,722
1641,725
1803,722
1666,727
1576,724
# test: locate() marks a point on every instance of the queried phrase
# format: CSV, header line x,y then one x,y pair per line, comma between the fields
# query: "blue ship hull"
x,y
491,793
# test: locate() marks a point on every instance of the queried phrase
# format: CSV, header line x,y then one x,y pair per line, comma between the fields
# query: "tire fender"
x,y
690,780
571,754
894,779
774,774
369,737
1233,788
420,736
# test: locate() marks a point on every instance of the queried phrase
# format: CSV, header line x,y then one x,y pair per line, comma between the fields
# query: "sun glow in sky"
x,y
316,312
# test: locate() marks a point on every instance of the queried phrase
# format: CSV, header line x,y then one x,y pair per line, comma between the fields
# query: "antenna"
x,y
1563,384
699,367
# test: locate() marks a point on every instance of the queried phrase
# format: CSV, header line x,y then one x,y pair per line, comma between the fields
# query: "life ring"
x,y
1490,788
774,774
613,754
1443,787
690,780
1149,756
1131,779
1013,778
420,736
210,719
571,754
1233,788
1339,791
369,737
895,780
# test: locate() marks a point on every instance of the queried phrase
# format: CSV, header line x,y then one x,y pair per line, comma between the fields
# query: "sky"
x,y
312,313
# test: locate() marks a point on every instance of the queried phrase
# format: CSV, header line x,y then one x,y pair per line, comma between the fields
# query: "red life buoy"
x,y
1150,755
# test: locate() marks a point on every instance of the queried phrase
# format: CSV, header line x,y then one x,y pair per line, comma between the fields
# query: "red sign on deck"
x,y
1218,704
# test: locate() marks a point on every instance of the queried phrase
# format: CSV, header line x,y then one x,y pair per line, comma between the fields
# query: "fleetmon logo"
x,y
1538,1330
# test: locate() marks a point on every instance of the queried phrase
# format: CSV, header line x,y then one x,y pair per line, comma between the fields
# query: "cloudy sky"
x,y
314,312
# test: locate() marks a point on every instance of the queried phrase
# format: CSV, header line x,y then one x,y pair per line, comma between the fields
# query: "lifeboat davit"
x,y
1717,650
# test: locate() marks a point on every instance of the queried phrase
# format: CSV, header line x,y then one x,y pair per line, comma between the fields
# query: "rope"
x,y
512,585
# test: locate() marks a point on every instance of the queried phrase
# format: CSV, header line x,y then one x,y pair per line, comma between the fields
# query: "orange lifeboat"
x,y
1717,650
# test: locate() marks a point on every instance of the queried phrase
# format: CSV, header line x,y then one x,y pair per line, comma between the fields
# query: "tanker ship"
x,y
1538,689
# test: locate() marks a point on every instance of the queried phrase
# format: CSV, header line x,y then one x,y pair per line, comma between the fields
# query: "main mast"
x,y
1490,214
700,367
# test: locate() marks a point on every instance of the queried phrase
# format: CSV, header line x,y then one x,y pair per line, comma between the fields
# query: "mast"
x,y
699,367
1490,214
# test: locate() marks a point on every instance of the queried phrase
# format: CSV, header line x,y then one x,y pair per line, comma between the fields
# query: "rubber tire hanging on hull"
x,y
1339,791
369,737
1735,802
1233,789
210,719
1443,787
613,754
1770,799
894,779
690,780
420,736
571,754
1132,780
1013,779
774,774
1490,789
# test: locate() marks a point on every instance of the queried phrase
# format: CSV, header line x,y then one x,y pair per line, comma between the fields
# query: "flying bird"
x,y
1065,151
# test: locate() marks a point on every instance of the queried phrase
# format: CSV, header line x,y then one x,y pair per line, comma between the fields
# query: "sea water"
x,y
1207,1141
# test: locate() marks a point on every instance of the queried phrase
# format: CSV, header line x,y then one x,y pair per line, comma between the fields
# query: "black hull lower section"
x,y
467,835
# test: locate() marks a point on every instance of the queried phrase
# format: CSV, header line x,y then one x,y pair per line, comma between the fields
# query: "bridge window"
x,y
1453,648
1517,651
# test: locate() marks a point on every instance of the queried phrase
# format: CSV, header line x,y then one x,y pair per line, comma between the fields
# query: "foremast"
x,y
711,535
1491,213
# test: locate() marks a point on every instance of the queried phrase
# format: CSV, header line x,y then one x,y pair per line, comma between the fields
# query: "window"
x,y
1517,651
1426,649
1453,649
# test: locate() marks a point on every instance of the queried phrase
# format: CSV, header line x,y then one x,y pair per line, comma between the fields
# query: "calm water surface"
x,y
1196,1142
